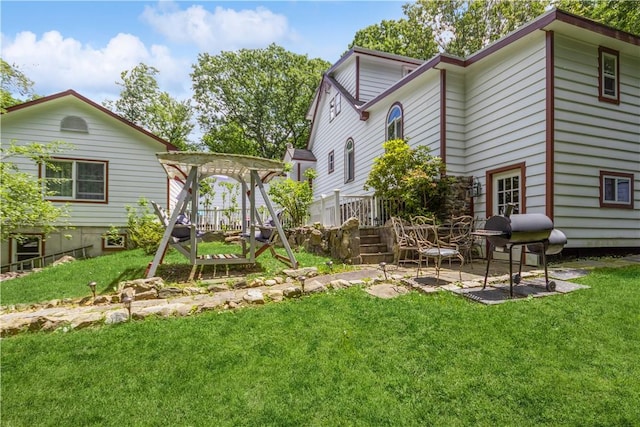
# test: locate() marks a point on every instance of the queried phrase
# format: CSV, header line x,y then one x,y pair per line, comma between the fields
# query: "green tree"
x,y
14,82
143,103
294,196
398,37
22,204
254,101
412,176
462,27
621,14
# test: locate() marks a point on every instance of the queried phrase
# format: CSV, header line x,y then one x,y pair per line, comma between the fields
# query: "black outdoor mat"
x,y
499,292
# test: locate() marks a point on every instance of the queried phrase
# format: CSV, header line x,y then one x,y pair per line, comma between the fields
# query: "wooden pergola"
x,y
189,168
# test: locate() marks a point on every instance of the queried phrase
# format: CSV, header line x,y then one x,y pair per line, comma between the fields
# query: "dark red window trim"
x,y
601,96
522,167
73,159
605,204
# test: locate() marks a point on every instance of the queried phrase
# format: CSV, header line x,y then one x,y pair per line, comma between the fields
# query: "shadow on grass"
x,y
182,273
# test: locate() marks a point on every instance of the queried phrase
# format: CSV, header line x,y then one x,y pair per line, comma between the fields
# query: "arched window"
x,y
349,161
394,122
74,124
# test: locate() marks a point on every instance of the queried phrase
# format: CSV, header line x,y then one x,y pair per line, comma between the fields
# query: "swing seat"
x,y
181,232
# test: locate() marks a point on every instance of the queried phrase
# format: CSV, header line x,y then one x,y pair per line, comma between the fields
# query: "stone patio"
x,y
390,283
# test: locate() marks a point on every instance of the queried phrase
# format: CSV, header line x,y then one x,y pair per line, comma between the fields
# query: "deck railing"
x,y
334,209
42,261
218,219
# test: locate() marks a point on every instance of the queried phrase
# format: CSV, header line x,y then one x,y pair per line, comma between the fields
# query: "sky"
x,y
85,45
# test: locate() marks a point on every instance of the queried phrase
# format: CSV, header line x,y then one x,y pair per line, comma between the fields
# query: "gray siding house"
x,y
111,164
547,117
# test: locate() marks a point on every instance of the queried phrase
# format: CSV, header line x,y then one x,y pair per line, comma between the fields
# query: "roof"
x,y
302,154
104,110
554,19
178,163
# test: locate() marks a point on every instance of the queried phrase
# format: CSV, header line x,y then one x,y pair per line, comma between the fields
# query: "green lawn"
x,y
70,280
345,358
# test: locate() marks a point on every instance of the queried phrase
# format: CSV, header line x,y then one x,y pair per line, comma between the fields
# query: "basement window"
x,y
110,242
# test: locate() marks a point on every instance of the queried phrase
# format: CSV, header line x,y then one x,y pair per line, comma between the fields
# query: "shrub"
x,y
145,230
294,196
411,176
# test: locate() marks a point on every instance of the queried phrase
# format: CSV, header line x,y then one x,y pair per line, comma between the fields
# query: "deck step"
x,y
369,239
377,258
372,248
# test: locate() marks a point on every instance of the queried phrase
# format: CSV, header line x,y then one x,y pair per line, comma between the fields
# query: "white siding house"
x,y
111,164
547,117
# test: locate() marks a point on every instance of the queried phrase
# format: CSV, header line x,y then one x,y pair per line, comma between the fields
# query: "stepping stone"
x,y
386,291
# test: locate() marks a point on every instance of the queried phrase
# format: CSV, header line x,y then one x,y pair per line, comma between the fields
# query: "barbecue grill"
x,y
535,231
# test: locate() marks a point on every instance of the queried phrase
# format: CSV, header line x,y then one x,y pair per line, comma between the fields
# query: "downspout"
x,y
550,124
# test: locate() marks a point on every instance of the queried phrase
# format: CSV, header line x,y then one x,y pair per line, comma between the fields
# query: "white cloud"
x,y
56,63
224,29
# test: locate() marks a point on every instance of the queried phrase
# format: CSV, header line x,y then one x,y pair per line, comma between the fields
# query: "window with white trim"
x,y
616,189
76,180
114,242
609,75
332,109
407,69
507,187
394,123
331,162
349,161
335,106
26,248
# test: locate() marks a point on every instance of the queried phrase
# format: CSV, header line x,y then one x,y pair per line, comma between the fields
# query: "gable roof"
x,y
302,154
553,20
70,92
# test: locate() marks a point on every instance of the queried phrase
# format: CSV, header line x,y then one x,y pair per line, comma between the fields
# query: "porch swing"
x,y
189,168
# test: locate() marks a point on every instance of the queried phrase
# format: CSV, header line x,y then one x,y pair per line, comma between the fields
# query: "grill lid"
x,y
519,228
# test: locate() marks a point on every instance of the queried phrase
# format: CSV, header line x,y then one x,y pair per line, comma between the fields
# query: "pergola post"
x,y
178,209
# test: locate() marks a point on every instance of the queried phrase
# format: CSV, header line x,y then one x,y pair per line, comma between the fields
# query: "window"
x,y
76,180
331,162
616,190
508,191
609,75
74,124
114,242
335,105
26,248
407,69
349,161
394,122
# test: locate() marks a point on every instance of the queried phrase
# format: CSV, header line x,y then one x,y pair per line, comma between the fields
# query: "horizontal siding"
x,y
134,171
376,77
505,117
455,135
422,114
332,135
347,78
420,102
592,136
